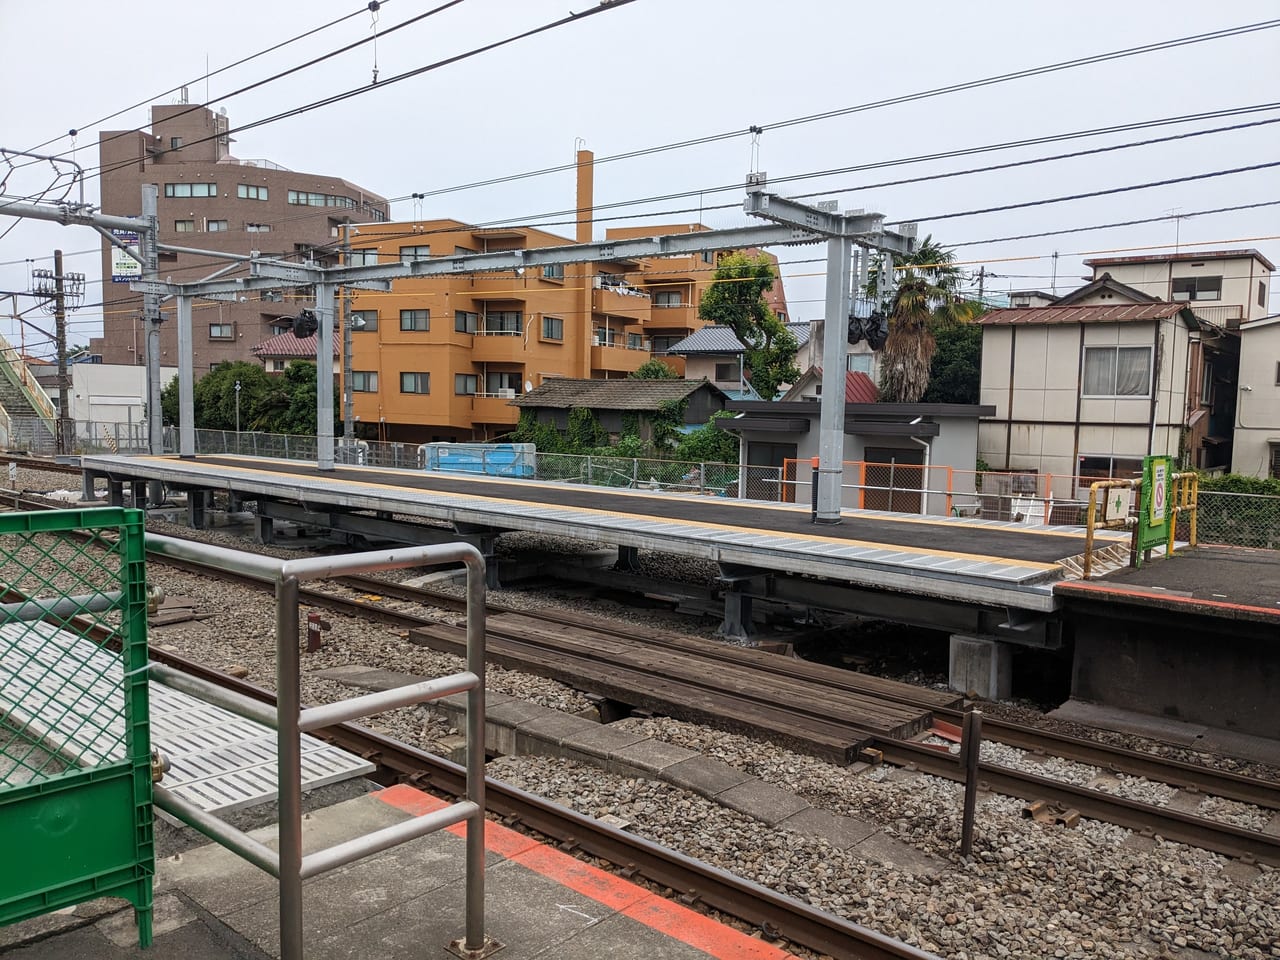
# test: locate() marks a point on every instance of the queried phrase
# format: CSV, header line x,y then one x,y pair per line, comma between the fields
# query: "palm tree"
x,y
928,294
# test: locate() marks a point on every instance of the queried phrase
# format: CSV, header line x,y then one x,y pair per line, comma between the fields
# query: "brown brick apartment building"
x,y
210,200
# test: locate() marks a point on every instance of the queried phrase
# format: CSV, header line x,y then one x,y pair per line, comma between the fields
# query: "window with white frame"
x,y
667,298
858,363
419,252
1197,288
552,328
221,331
466,384
216,226
257,228
184,226
363,321
364,381
251,191
465,321
503,321
415,383
1206,383
190,189
276,366
416,320
1117,372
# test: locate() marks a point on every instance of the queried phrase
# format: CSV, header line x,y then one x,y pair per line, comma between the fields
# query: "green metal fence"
x,y
75,752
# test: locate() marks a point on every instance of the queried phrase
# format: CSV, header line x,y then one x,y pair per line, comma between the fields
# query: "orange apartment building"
x,y
441,358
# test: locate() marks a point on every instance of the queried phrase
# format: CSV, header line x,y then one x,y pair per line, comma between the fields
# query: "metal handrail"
x,y
1091,522
1185,499
289,865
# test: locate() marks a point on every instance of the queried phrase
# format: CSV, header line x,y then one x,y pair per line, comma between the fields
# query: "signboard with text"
x,y
1154,512
123,267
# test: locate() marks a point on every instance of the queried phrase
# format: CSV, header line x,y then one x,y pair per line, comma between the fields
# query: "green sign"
x,y
1155,510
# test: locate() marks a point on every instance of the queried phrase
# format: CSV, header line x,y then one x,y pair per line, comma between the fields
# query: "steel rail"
x,y
1096,804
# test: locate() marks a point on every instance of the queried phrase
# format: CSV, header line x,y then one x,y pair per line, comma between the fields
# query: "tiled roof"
x,y
565,394
721,340
1097,313
285,346
859,388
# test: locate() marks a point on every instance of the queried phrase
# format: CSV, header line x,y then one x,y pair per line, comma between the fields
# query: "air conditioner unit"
x,y
595,341
507,392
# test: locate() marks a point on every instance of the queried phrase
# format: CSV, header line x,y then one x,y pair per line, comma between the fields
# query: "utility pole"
x,y
60,333
151,317
348,402
982,281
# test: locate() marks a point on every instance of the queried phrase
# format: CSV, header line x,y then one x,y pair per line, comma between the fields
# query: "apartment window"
x,y
415,383
190,189
276,366
465,384
175,143
257,228
708,256
503,321
726,372
361,258
221,331
416,320
502,384
662,345
465,321
552,328
364,381
553,271
1275,461
216,226
1117,371
858,363
782,317
251,191
1262,294
1197,288
1278,373
667,298
409,254
1206,383
364,321
635,341
306,198
184,226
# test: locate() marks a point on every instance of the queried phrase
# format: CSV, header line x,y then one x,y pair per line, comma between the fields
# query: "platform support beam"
x,y
628,559
266,530
115,492
197,504
981,667
87,491
737,615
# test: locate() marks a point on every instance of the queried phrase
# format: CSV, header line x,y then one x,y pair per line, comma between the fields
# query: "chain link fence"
x,y
1235,519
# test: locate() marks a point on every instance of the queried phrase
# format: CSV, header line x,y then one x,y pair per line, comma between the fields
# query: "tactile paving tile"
x,y
66,691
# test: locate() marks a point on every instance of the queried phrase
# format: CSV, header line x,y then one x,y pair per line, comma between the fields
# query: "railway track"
x,y
1186,828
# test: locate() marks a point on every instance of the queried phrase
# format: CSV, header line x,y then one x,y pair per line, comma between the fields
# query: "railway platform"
x,y
403,904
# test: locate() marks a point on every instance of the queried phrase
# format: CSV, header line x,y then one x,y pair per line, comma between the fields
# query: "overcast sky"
x,y
656,72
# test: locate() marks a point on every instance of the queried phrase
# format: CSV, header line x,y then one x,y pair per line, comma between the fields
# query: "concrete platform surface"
x,y
407,902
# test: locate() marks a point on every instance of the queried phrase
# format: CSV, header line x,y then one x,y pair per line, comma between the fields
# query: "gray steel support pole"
x,y
186,381
348,401
289,751
324,376
831,415
476,577
148,238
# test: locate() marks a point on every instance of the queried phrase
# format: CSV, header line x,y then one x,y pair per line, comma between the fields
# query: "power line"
x,y
876,104
406,75
230,66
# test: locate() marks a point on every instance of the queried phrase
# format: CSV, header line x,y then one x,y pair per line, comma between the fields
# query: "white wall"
x,y
1240,279
111,393
1257,409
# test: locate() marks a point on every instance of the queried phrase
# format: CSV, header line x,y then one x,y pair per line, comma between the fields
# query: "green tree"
x,y
653,369
709,444
956,370
928,297
735,299
274,403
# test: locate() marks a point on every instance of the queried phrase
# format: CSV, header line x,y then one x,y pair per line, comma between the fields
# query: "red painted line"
x,y
675,921
1165,598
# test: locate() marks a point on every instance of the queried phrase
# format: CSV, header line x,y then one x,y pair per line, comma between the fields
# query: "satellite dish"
x,y
528,385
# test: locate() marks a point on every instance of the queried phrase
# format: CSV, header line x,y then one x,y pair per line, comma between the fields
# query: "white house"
x,y
1256,446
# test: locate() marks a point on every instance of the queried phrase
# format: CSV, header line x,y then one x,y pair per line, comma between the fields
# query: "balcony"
x,y
1226,315
620,299
495,408
614,356
498,347
681,316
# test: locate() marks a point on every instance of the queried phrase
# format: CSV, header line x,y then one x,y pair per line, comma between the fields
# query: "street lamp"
x,y
237,416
